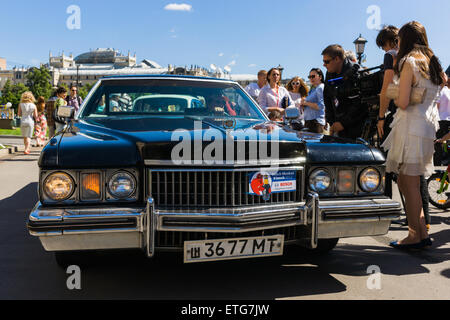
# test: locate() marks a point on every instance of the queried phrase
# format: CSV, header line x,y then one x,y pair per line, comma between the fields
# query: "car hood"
x,y
110,142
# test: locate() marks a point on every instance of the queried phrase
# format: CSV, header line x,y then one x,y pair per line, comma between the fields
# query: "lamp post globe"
x,y
360,45
281,71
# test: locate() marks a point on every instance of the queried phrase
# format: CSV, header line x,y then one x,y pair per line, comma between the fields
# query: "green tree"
x,y
65,86
39,82
12,93
83,91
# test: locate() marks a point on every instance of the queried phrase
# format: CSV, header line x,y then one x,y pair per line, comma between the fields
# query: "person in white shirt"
x,y
297,90
274,96
28,113
253,89
444,104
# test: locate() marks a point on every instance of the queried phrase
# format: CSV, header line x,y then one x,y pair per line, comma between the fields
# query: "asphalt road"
x,y
28,272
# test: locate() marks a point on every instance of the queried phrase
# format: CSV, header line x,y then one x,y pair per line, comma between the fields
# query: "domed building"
x,y
90,66
105,57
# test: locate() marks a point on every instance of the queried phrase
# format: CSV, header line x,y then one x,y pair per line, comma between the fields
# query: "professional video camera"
x,y
359,85
362,87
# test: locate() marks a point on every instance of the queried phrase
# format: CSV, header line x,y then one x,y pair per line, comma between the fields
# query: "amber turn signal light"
x,y
90,186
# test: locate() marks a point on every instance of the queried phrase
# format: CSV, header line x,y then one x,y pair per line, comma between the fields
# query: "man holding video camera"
x,y
344,111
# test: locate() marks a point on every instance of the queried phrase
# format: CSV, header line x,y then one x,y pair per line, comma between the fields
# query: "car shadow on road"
x,y
132,276
28,272
129,275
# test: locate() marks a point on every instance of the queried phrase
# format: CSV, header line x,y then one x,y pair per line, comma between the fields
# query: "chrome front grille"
x,y
212,188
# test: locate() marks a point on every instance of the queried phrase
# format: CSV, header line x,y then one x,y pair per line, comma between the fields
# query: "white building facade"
x,y
89,67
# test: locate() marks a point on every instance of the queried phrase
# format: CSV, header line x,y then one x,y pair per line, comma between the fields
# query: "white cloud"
x,y
221,54
252,65
178,7
232,63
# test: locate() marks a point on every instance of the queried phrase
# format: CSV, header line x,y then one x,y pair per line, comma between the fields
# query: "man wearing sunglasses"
x,y
343,111
73,99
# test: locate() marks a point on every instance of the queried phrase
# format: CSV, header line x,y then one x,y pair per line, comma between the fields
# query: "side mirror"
x,y
291,113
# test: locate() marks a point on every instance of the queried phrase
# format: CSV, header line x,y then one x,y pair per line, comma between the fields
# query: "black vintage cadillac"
x,y
193,164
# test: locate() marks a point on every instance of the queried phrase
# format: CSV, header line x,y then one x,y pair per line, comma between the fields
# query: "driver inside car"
x,y
220,104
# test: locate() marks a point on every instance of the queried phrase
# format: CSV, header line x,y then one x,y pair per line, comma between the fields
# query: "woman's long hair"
x,y
303,88
320,73
269,73
40,104
27,97
414,40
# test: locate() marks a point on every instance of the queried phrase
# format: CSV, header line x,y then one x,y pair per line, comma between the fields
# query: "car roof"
x,y
164,76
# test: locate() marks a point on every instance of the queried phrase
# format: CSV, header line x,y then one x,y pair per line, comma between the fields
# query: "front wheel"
x,y
439,200
324,246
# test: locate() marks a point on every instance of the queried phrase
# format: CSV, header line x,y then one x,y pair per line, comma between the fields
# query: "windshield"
x,y
169,98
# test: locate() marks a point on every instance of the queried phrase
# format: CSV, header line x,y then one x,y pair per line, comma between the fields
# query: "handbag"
x,y
417,94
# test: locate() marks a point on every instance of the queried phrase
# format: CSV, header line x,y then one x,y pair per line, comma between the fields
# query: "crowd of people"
x,y
39,118
408,129
275,98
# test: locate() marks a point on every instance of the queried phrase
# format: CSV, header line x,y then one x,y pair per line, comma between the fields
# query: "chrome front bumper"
x,y
73,229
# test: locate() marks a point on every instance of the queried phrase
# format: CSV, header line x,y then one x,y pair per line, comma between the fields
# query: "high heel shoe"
x,y
411,246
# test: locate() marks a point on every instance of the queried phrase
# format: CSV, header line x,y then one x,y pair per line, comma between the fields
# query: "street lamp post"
x,y
281,71
360,45
78,81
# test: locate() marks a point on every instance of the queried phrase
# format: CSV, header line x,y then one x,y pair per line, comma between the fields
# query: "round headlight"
x,y
58,186
121,185
369,180
319,180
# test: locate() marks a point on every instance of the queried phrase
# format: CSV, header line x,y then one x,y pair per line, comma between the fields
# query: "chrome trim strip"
x,y
150,228
92,231
35,215
159,77
313,204
231,229
86,100
238,213
192,163
102,216
225,169
384,203
46,233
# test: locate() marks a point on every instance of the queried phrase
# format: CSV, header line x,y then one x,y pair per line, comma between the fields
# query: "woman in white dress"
x,y
411,141
28,113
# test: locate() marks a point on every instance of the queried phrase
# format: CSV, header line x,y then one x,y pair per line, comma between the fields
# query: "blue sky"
x,y
247,35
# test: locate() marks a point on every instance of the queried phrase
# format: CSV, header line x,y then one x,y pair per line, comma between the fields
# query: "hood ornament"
x,y
229,124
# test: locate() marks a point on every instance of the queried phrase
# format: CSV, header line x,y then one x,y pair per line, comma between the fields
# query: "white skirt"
x,y
411,146
27,130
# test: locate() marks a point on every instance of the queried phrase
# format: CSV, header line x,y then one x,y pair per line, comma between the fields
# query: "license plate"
x,y
229,249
